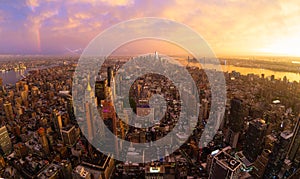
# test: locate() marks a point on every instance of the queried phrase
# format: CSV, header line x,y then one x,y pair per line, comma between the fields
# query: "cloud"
x,y
36,21
2,15
229,26
71,23
234,26
82,15
32,4
118,2
107,2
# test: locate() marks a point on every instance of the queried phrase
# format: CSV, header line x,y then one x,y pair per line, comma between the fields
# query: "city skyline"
x,y
230,27
118,89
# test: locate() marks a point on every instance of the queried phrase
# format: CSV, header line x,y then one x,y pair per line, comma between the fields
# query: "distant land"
x,y
275,63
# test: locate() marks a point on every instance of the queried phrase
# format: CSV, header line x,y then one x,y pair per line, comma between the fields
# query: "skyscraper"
x,y
44,140
70,108
254,139
89,106
69,135
278,155
66,168
260,164
109,115
8,111
294,149
81,173
57,121
224,166
235,123
52,171
156,55
89,94
110,74
110,119
236,118
111,81
5,142
101,90
89,120
232,138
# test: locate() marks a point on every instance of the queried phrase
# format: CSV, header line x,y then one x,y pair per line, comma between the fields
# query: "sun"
x,y
284,47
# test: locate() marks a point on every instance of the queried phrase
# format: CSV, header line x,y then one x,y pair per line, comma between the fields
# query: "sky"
x,y
231,27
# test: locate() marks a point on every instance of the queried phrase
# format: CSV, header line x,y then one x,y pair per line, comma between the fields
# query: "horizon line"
x,y
174,55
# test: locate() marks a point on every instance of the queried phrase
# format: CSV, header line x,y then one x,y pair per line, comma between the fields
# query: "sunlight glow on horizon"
x,y
285,46
237,29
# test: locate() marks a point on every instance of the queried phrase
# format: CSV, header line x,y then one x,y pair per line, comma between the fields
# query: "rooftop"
x,y
286,134
50,171
227,160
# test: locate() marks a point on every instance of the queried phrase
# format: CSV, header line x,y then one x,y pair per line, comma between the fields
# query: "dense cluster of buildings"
x,y
40,136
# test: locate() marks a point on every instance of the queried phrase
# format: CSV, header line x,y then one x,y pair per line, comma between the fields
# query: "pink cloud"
x,y
229,26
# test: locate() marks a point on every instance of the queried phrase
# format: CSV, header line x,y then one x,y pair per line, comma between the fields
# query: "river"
x,y
258,71
11,77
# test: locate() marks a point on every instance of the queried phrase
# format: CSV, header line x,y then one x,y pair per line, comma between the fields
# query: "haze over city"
x,y
141,89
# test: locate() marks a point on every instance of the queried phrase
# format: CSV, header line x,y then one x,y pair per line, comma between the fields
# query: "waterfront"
x,y
258,71
11,77
291,76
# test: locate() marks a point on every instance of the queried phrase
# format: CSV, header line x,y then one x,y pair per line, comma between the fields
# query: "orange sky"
x,y
231,27
140,47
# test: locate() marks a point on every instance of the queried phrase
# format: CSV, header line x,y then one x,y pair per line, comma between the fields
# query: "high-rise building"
x,y
260,164
44,140
101,91
109,117
57,120
35,91
111,81
70,108
294,149
146,115
52,171
89,94
154,171
24,96
8,111
66,169
89,120
236,118
232,138
224,166
270,141
89,106
110,74
156,55
272,77
254,139
278,155
20,149
204,108
235,123
2,163
5,141
81,173
69,135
